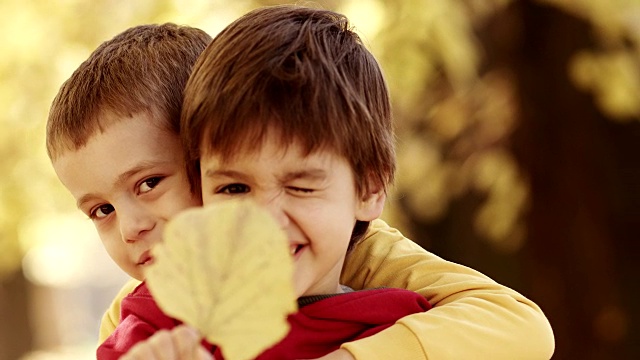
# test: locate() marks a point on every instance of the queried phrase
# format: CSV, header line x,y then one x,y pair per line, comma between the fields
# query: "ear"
x,y
371,204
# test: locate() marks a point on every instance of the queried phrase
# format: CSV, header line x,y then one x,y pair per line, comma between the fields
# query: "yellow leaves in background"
x,y
440,41
609,17
613,78
441,37
496,174
424,179
613,73
461,147
226,270
452,119
482,10
450,33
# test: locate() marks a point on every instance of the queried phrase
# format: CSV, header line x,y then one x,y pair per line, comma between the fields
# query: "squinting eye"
x,y
233,189
102,211
302,190
149,184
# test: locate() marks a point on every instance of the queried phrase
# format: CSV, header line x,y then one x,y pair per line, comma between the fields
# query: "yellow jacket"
x,y
473,316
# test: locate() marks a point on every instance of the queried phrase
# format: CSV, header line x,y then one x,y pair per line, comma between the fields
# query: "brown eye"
x,y
149,184
301,190
234,189
102,211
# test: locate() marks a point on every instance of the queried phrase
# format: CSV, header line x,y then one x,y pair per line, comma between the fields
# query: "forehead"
x,y
121,147
139,133
74,134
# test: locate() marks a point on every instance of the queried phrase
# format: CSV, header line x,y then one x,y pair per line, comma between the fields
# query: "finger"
x,y
162,346
186,340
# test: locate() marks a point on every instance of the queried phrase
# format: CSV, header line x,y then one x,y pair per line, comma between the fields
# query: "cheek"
x,y
326,221
112,243
107,234
180,197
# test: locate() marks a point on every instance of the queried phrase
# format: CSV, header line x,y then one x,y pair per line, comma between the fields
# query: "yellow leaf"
x,y
226,270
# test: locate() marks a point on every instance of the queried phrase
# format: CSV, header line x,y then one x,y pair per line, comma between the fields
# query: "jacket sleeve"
x,y
473,316
111,317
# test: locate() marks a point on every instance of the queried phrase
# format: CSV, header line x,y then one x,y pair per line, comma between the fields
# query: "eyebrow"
x,y
142,166
311,174
224,173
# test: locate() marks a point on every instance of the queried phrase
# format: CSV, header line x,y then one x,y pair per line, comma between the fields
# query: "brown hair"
x,y
302,72
142,69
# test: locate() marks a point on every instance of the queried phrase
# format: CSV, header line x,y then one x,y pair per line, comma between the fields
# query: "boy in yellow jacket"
x,y
113,139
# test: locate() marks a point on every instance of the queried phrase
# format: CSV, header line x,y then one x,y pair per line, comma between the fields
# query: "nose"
x,y
273,202
135,220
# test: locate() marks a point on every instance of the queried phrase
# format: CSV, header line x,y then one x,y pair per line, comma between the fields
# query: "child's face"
x,y
312,197
129,180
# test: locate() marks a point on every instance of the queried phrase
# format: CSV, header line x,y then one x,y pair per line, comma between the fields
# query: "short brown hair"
x,y
142,69
301,71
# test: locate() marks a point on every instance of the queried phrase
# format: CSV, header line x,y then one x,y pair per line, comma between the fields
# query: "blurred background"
x,y
518,144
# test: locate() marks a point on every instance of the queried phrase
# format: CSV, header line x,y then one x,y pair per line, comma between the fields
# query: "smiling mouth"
x,y
294,249
145,259
148,261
